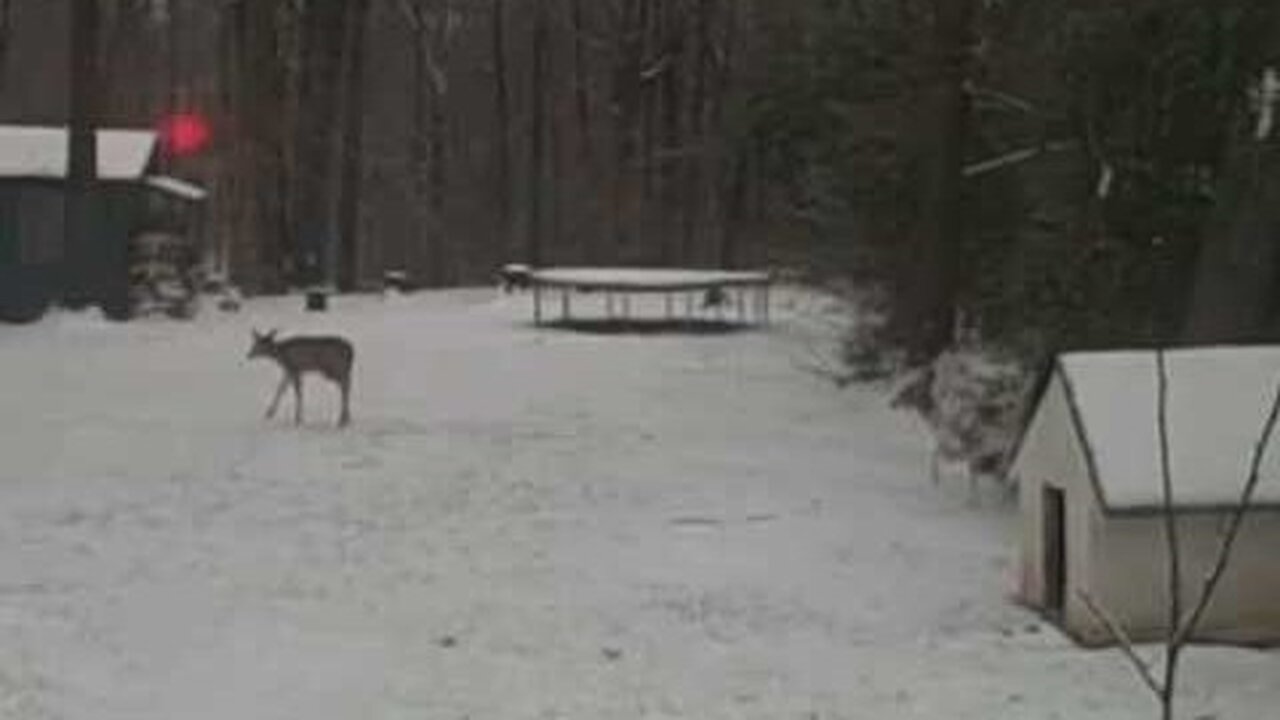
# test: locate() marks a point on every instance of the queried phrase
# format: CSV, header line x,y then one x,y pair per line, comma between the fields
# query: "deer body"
x,y
327,355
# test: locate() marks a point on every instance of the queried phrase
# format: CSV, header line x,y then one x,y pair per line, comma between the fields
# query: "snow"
x,y
645,278
1217,403
520,523
178,188
41,152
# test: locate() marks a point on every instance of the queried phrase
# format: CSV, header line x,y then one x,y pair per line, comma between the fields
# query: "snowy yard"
x,y
518,524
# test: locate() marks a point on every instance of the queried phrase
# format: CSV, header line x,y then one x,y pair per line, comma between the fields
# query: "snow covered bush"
x,y
972,401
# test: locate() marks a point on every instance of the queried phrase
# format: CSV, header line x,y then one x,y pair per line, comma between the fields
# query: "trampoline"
x,y
685,294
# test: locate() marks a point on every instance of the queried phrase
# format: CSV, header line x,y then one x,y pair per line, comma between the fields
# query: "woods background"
x,y
1048,174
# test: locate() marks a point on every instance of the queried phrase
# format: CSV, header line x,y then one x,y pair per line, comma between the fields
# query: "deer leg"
x,y
275,402
297,400
935,469
345,417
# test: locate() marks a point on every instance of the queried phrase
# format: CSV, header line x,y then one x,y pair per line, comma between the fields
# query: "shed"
x,y
1091,498
35,268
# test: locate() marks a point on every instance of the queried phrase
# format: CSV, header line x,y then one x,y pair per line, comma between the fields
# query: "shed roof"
x,y
1218,400
28,151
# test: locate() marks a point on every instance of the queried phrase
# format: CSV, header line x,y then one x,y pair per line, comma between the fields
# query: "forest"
x,y
1044,175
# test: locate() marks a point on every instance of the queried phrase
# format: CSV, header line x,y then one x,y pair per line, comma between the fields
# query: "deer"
x,y
327,355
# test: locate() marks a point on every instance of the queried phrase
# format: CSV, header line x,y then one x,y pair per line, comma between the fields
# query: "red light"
x,y
184,134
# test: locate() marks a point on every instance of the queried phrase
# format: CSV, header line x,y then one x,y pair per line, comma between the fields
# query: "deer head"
x,y
264,344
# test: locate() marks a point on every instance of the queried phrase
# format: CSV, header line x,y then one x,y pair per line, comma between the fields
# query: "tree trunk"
x,y
316,133
537,133
442,269
6,27
695,167
927,320
255,111
729,168
735,207
625,100
429,150
649,98
82,149
502,118
581,80
673,156
419,257
349,195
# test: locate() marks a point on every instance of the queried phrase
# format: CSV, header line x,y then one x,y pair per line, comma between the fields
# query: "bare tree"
x,y
581,78
927,321
352,171
539,88
315,134
628,48
6,27
502,121
432,23
254,95
82,141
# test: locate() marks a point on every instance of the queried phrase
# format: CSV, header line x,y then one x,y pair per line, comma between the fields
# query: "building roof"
x,y
28,151
1218,401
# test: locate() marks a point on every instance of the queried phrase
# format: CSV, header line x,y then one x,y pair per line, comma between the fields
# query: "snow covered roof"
x,y
1218,400
41,152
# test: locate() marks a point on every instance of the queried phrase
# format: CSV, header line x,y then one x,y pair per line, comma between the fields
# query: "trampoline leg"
x,y
740,299
564,305
537,305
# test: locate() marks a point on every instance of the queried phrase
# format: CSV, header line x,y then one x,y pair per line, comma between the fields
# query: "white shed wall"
x,y
1051,453
1132,575
1119,560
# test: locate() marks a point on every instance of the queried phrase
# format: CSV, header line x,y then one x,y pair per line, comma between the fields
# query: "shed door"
x,y
1054,523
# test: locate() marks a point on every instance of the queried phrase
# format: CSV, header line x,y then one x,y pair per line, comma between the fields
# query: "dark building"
x,y
35,267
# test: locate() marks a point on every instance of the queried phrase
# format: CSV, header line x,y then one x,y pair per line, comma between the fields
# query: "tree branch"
x,y
1174,556
1016,157
1126,644
1003,98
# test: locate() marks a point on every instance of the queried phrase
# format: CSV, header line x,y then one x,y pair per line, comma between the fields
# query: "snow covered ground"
x,y
519,524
